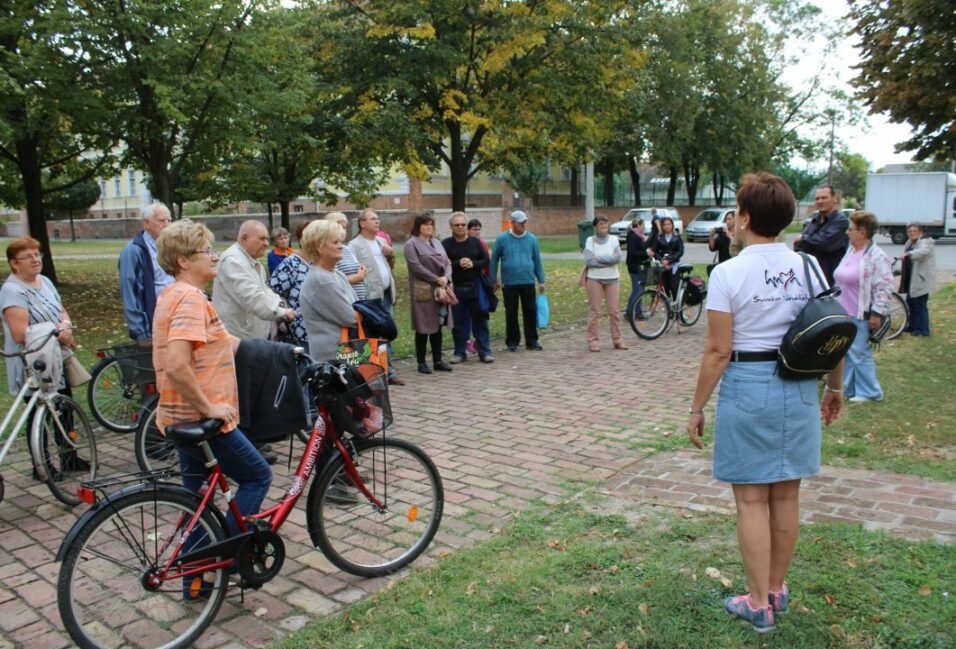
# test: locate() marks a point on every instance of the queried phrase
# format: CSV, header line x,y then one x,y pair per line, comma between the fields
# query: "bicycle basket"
x,y
135,361
362,408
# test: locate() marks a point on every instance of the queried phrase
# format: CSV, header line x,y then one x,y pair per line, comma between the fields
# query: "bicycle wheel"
x,y
899,316
352,533
62,442
153,451
689,313
650,314
101,590
113,402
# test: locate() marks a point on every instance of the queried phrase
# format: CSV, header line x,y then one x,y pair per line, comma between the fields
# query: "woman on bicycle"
x,y
668,249
865,277
195,369
767,430
29,298
326,296
602,254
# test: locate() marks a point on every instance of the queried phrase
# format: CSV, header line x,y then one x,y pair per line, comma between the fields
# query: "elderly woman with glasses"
x,y
195,370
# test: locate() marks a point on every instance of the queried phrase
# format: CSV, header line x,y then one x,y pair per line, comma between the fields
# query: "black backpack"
x,y
819,337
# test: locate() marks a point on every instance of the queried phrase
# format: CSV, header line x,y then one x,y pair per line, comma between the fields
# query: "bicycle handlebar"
x,y
56,331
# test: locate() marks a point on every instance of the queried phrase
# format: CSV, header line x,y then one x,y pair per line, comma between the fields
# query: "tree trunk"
x,y
691,180
718,183
575,193
28,160
72,228
672,185
607,168
635,180
284,218
459,186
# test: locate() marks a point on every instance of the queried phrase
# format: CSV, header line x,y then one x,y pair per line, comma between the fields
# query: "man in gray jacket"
x,y
241,294
378,258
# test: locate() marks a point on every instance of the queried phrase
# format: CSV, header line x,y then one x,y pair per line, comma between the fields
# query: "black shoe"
x,y
512,348
424,369
535,347
264,448
395,381
442,366
269,456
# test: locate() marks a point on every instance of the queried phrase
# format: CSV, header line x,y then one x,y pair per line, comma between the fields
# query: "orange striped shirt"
x,y
184,313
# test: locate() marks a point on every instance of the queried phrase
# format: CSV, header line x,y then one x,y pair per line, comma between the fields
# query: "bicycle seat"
x,y
683,269
194,432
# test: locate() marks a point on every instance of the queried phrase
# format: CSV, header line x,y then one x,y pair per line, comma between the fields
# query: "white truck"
x,y
898,199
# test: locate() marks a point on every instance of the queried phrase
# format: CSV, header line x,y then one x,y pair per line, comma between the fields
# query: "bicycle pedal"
x,y
259,524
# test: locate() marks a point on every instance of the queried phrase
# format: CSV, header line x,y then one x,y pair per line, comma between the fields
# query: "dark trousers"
x,y
421,340
467,320
523,293
919,315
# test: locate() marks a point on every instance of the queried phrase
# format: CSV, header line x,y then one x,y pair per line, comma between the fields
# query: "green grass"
x,y
559,243
911,431
576,576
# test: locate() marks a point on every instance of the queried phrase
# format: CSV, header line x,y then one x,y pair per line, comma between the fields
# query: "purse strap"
x,y
346,330
806,271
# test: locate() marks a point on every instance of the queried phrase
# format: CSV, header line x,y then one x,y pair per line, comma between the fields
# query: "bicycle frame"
x,y
323,438
30,384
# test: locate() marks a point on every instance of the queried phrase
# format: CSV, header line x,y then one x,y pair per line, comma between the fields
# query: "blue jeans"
x,y
637,287
239,460
859,369
919,315
466,320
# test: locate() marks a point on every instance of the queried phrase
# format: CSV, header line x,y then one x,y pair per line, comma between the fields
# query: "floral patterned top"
x,y
287,282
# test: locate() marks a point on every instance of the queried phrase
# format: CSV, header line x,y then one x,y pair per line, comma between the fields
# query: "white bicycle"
x,y
62,446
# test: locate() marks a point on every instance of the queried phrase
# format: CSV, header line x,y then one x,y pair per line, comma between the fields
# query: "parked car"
x,y
620,228
704,223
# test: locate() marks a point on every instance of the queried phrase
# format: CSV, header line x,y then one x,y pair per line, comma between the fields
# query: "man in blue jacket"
x,y
825,235
517,250
141,278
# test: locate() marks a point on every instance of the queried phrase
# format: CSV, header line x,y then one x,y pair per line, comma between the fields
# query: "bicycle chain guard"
x,y
260,557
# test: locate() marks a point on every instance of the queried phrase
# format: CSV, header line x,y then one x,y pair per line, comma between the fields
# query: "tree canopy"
x,y
908,68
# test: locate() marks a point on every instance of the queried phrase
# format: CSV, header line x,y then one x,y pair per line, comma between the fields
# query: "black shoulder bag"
x,y
819,337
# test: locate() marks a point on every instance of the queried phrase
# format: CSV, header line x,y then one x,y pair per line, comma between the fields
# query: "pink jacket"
x,y
876,281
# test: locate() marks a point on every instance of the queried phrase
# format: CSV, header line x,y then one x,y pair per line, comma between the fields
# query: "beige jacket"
x,y
373,278
923,256
242,297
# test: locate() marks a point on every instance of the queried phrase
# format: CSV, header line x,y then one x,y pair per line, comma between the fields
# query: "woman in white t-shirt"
x,y
602,255
766,430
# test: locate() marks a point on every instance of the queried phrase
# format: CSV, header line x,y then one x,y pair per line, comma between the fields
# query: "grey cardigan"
x,y
326,304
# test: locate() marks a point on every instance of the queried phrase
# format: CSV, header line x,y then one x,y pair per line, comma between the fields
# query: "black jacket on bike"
x,y
674,249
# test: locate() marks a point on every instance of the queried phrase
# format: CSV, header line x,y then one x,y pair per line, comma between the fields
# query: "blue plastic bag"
x,y
543,310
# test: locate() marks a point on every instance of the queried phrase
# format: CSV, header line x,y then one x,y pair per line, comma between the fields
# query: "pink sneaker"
x,y
760,618
471,347
780,600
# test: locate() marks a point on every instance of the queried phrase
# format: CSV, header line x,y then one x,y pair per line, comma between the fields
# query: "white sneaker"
x,y
862,399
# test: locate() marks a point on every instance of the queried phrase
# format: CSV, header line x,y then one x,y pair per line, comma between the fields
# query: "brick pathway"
x,y
526,429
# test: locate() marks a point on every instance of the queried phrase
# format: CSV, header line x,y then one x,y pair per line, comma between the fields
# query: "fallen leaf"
x,y
621,645
555,544
584,611
471,588
876,619
648,583
643,608
567,628
925,590
668,433
851,563
595,590
614,569
259,612
586,634
713,573
726,582
830,600
541,639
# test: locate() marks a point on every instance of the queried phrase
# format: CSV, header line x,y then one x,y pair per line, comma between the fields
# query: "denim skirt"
x,y
766,429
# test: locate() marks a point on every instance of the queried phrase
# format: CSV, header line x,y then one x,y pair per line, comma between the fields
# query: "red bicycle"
x,y
149,565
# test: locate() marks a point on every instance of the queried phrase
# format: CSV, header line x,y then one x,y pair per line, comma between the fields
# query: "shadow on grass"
x,y
607,574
